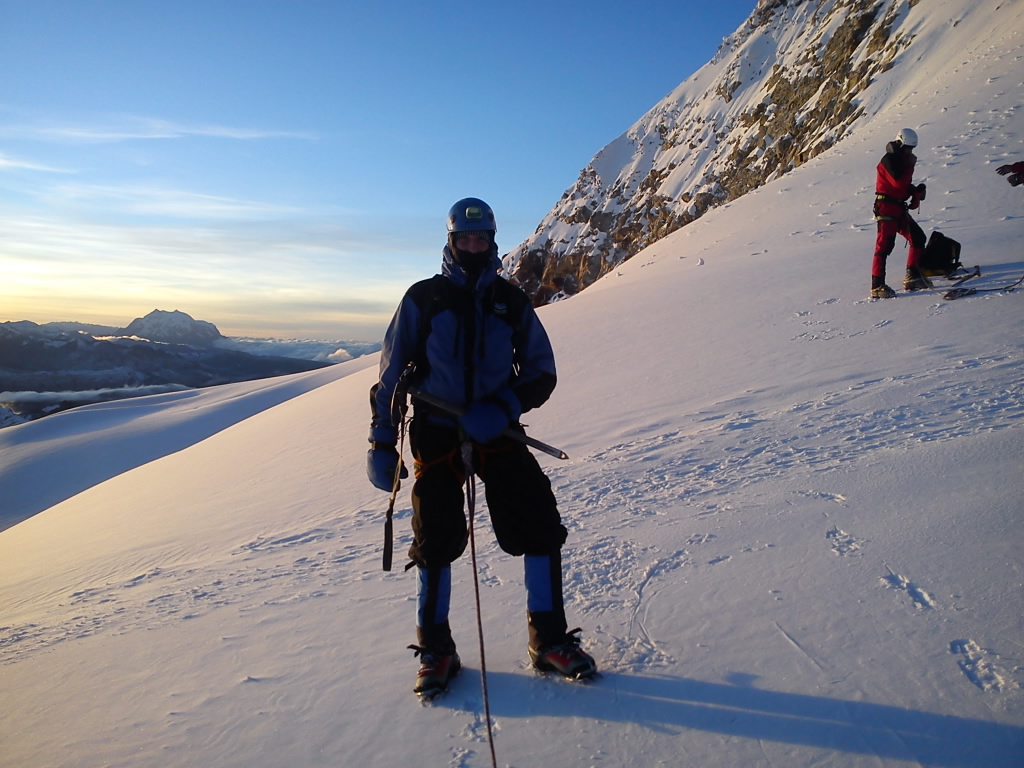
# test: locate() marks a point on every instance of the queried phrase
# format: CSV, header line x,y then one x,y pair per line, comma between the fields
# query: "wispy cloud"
x,y
181,204
136,128
6,161
300,278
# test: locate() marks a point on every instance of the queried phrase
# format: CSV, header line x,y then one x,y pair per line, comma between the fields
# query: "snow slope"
x,y
86,446
794,514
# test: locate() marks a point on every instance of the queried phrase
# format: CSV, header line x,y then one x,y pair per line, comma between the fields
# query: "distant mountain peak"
x,y
174,327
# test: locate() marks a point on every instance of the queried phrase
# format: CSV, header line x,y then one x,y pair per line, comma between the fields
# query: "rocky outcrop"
x,y
783,88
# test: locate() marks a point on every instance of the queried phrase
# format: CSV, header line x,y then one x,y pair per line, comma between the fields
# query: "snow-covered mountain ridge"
x,y
790,83
49,367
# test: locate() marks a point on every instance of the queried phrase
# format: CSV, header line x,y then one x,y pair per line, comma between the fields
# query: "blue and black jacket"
x,y
468,342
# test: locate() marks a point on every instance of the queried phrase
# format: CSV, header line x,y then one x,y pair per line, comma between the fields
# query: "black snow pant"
x,y
522,509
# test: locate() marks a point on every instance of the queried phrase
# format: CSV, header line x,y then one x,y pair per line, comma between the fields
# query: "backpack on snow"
x,y
941,256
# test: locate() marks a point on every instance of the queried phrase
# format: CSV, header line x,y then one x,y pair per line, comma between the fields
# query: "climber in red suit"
x,y
894,185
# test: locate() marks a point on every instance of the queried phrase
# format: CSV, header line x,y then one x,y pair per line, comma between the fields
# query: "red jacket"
x,y
894,180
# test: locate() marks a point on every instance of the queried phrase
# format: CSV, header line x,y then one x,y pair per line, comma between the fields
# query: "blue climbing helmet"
x,y
471,214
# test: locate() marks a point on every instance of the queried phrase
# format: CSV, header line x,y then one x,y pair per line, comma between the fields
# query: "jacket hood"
x,y
454,271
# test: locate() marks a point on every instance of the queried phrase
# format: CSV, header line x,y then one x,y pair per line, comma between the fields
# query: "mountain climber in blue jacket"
x,y
470,338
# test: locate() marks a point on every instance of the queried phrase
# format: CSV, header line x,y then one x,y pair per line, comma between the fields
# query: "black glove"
x,y
921,190
381,462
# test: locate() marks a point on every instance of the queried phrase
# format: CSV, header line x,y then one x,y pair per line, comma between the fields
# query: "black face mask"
x,y
473,263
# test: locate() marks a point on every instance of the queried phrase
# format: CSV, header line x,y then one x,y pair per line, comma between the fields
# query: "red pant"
x,y
900,224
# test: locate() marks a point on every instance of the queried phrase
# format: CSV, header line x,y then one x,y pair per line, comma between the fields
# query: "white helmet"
x,y
907,137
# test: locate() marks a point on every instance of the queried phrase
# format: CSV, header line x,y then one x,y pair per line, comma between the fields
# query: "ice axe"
x,y
514,434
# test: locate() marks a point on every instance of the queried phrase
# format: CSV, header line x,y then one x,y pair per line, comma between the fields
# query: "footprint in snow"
x,y
919,597
975,663
842,543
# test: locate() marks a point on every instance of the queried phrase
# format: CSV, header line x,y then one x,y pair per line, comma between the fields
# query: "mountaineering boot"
x,y
436,670
915,281
552,649
565,657
439,662
883,292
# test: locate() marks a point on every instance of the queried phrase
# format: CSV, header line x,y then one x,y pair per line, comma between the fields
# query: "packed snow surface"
x,y
794,513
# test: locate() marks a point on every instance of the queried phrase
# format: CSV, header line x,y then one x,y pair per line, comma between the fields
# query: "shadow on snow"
x,y
667,704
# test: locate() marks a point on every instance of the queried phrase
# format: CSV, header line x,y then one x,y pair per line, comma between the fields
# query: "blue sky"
x,y
284,168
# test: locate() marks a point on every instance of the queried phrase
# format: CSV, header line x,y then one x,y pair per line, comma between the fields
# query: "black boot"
x,y
544,603
879,290
439,662
436,670
915,281
552,648
565,657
